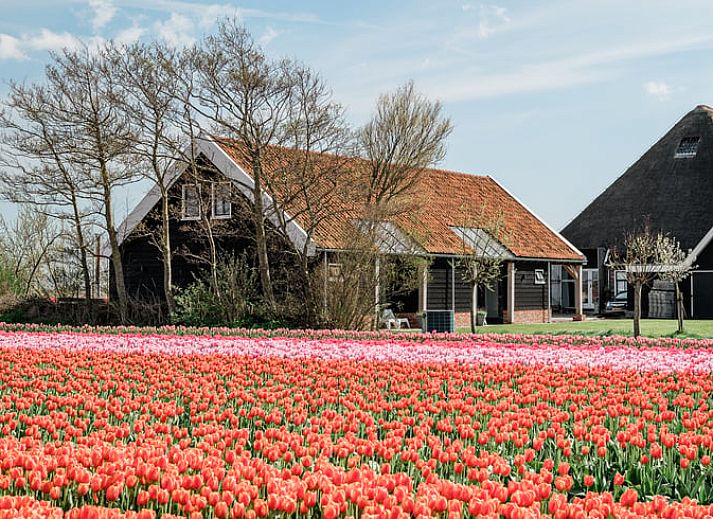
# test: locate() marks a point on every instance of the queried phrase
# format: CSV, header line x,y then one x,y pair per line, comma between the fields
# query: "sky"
x,y
554,99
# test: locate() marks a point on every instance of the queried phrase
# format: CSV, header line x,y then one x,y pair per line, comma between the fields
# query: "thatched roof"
x,y
674,195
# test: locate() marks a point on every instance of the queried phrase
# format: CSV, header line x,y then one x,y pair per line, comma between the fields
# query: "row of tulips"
x,y
375,335
144,426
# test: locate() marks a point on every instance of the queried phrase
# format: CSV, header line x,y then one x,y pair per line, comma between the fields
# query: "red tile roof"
x,y
444,198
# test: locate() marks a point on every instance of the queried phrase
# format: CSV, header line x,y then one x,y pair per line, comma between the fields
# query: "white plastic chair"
x,y
389,319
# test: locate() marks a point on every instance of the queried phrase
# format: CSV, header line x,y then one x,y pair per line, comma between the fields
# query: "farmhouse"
x,y
523,294
671,188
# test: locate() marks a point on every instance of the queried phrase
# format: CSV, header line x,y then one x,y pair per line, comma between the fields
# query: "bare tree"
x,y
97,137
26,244
646,255
484,252
148,83
36,166
406,135
674,268
247,98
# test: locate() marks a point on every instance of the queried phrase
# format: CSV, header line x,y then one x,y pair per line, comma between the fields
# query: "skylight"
x,y
389,238
481,241
687,148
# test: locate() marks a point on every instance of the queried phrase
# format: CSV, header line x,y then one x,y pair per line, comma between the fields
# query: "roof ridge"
x,y
356,157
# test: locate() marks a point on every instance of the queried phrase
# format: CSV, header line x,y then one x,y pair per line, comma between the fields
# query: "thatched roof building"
x,y
671,189
670,186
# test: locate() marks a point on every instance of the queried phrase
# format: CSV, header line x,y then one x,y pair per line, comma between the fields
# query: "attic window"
x,y
191,205
222,208
687,148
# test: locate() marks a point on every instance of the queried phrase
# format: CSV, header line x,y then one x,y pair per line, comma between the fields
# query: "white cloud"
x,y
129,35
10,48
104,12
585,68
492,19
178,30
269,35
50,40
210,14
658,89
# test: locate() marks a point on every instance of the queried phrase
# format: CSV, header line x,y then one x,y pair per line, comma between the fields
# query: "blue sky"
x,y
555,99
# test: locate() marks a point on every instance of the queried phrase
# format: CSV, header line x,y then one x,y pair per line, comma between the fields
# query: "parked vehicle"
x,y
617,305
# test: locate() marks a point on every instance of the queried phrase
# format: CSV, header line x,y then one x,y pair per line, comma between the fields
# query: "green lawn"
x,y
649,327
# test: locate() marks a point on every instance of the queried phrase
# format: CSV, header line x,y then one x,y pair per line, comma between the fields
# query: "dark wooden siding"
x,y
463,292
439,286
143,265
702,281
528,295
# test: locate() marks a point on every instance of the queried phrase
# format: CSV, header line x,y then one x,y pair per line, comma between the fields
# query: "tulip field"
x,y
326,426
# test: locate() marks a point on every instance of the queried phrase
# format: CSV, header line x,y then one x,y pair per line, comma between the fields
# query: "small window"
x,y
687,148
334,272
222,207
539,277
191,203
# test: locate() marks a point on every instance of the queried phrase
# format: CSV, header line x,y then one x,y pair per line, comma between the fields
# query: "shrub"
x,y
229,300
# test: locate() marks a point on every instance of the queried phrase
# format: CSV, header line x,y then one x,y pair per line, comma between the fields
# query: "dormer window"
x,y
687,148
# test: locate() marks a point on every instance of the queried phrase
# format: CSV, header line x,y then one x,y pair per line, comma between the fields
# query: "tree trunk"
x,y
310,302
213,248
679,308
637,309
474,307
116,260
81,243
167,254
118,273
260,235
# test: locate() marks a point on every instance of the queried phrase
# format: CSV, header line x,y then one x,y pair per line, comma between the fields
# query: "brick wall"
x,y
531,316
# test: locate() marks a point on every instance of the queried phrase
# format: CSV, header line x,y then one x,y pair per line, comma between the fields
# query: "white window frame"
x,y
540,277
620,277
334,272
197,188
588,289
213,200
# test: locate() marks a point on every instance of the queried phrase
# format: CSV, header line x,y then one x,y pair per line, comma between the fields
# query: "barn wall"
x,y
528,295
441,287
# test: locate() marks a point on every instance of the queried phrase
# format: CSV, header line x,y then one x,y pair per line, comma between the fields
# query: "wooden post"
x,y
510,315
326,280
423,293
97,269
578,287
453,286
549,292
377,290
